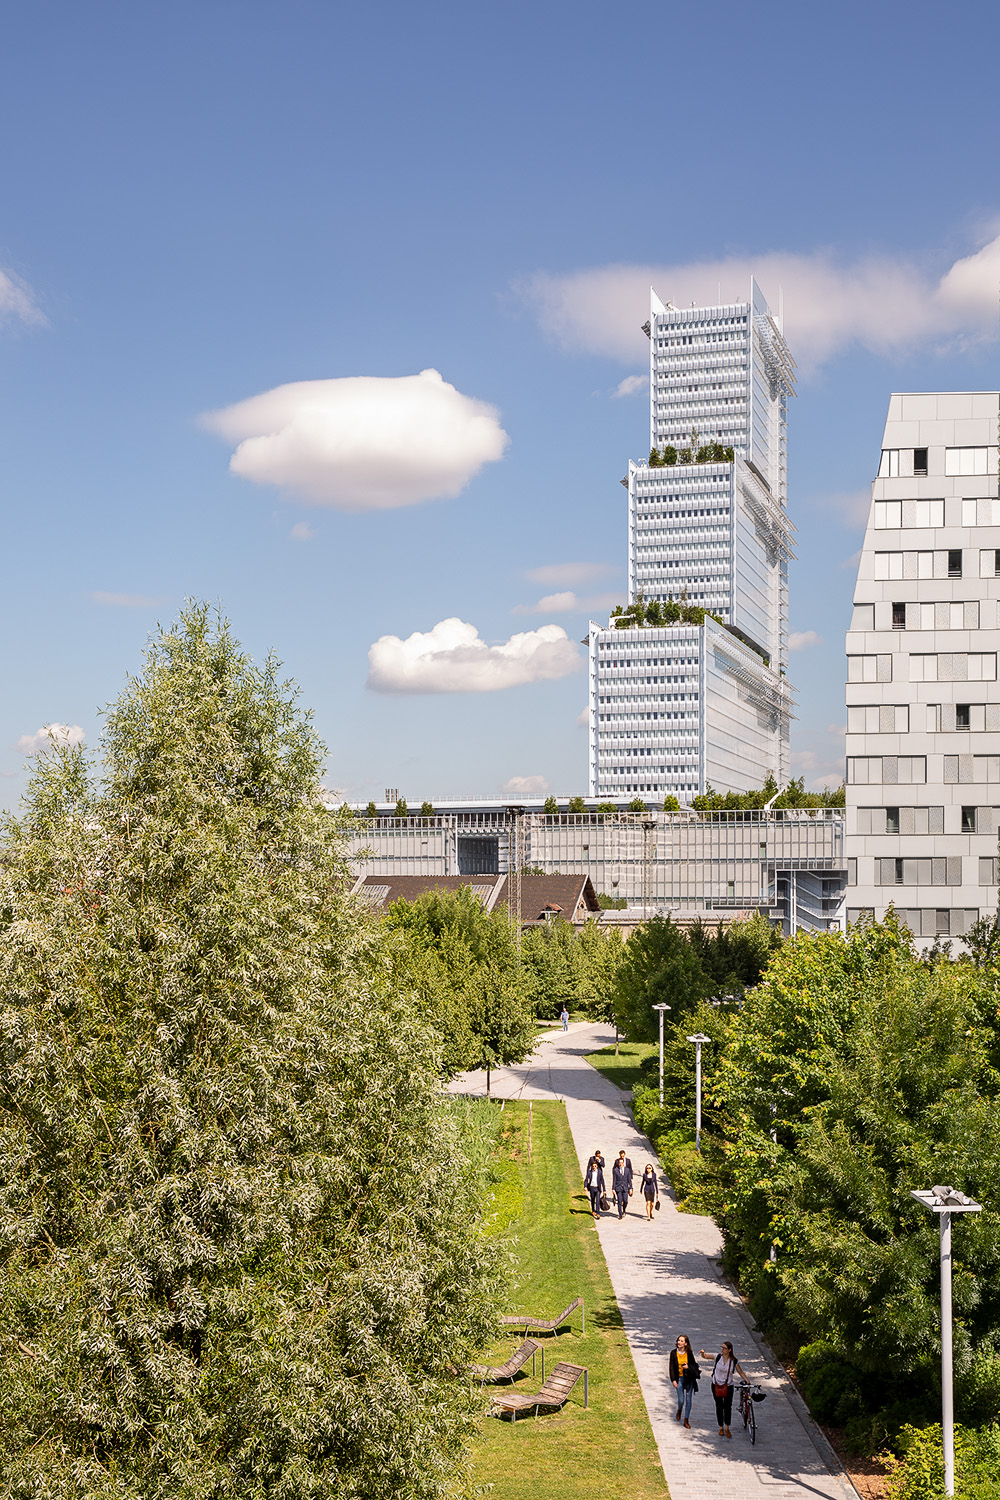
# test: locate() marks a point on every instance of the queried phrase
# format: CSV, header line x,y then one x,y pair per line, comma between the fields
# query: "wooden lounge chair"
x,y
507,1371
555,1392
545,1325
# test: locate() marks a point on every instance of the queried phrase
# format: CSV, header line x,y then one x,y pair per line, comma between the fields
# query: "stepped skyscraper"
x,y
688,686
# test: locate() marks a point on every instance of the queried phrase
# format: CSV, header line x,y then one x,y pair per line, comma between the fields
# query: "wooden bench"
x,y
555,1392
507,1371
544,1325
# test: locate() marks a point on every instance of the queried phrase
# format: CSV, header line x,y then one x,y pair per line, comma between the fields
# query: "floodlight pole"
x,y
698,1038
661,1009
945,1201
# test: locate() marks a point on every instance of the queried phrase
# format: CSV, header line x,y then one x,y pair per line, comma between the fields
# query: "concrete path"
x,y
666,1281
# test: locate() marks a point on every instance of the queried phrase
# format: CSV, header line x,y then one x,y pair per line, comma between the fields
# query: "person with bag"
x,y
621,1183
685,1372
724,1373
650,1189
594,1183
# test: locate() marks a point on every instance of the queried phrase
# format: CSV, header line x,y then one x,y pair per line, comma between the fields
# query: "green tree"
x,y
551,968
637,805
402,811
550,807
855,1072
576,805
464,966
671,804
236,1248
371,811
606,809
658,965
426,810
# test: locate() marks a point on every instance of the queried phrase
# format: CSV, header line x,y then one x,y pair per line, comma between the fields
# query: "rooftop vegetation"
x,y
657,612
707,453
793,795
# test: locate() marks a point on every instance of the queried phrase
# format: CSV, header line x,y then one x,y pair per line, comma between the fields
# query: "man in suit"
x,y
621,1182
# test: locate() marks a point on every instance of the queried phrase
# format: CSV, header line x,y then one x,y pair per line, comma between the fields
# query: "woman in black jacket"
x,y
685,1373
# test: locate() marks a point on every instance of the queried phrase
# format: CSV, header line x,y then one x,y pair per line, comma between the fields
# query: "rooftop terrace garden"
x,y
657,612
707,453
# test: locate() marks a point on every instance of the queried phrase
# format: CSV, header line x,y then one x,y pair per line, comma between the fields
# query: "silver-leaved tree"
x,y
236,1251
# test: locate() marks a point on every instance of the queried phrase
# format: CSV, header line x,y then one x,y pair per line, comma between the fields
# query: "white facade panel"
x,y
921,830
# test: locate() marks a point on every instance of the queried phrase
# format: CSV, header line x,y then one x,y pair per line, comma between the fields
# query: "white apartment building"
x,y
676,708
923,701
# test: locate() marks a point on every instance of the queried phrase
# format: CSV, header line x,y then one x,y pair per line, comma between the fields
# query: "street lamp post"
x,y
661,1009
698,1038
945,1201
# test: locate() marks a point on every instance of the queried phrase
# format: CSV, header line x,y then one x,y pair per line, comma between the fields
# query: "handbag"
x,y
719,1391
657,1205
604,1201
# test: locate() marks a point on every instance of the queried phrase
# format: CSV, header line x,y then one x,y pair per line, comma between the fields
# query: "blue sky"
x,y
201,203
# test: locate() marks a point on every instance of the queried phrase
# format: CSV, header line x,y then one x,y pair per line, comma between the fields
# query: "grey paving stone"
x,y
666,1280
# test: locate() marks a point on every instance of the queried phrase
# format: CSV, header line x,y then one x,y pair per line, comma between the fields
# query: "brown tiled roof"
x,y
571,895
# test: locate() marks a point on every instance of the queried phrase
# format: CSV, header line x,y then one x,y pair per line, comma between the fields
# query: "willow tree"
x,y
236,1256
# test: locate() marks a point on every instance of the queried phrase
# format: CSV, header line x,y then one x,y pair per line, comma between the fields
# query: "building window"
x,y
963,461
920,461
863,617
962,716
969,819
955,563
899,617
892,820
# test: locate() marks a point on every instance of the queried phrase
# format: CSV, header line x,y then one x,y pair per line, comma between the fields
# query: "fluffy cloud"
x,y
362,443
127,601
817,771
583,718
880,303
17,301
49,736
800,639
524,786
570,574
452,658
632,385
569,603
303,532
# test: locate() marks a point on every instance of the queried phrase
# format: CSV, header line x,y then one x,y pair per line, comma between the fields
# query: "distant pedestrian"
x,y
594,1183
650,1188
564,1018
621,1183
724,1373
685,1372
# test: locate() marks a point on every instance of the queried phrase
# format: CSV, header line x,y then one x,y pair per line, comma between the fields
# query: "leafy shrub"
x,y
829,1383
918,1472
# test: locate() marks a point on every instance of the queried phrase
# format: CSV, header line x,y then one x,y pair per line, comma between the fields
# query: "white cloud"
x,y
816,771
631,385
127,601
303,532
840,729
452,658
571,574
583,718
524,786
800,639
17,301
569,603
364,442
880,303
48,737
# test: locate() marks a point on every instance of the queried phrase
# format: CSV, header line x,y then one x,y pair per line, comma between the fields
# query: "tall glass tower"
x,y
677,704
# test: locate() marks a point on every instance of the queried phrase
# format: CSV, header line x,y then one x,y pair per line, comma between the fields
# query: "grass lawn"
x,y
623,1070
607,1450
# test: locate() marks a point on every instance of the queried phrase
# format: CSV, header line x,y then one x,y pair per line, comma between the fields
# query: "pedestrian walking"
x,y
685,1372
650,1189
621,1183
594,1183
564,1018
724,1373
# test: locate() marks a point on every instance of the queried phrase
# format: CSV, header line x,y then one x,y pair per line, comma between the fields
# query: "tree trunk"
x,y
487,1080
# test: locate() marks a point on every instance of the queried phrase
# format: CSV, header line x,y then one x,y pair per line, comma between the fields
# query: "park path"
x,y
666,1280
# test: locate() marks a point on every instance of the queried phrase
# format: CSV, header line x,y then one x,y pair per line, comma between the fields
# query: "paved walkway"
x,y
666,1281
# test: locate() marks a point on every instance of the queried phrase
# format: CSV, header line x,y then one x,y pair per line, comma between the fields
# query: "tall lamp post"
x,y
661,1009
698,1038
945,1201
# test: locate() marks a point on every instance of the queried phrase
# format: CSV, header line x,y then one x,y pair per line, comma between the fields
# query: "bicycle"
x,y
749,1394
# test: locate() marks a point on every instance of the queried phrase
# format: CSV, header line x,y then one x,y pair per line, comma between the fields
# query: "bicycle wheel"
x,y
751,1421
744,1405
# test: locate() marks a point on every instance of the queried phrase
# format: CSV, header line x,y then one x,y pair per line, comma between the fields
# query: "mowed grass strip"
x,y
623,1070
607,1450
